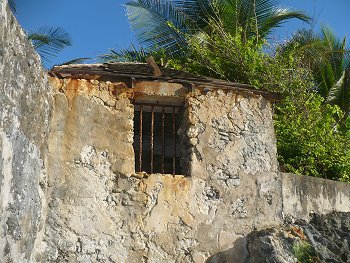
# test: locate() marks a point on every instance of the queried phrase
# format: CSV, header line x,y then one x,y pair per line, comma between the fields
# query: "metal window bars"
x,y
156,142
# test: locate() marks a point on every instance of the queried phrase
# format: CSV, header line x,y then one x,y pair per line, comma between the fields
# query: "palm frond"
x,y
49,41
196,12
326,78
330,38
157,23
339,94
276,18
336,91
134,54
13,6
329,59
255,17
338,53
131,54
75,61
310,45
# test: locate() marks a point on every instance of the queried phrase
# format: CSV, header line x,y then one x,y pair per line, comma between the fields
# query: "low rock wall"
x,y
303,195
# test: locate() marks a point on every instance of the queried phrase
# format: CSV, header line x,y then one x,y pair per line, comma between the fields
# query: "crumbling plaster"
x,y
101,210
68,191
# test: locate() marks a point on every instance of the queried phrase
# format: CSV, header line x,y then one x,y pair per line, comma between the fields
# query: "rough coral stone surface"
x,y
233,134
69,192
25,114
100,212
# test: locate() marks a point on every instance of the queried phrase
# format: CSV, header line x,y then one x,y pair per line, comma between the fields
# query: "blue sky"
x,y
96,26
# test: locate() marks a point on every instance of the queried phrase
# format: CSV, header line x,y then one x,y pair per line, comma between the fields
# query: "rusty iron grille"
x,y
156,142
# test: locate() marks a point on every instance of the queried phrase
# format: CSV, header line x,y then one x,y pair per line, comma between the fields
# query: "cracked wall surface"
x,y
68,191
101,211
25,113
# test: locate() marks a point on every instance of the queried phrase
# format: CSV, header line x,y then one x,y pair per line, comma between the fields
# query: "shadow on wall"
x,y
237,254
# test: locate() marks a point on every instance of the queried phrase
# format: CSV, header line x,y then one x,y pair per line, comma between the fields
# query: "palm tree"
x,y
166,24
329,59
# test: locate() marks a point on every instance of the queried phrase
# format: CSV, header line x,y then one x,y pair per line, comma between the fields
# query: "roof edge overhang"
x,y
103,72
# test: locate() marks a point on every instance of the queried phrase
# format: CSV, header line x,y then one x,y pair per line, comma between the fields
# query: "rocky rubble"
x,y
326,238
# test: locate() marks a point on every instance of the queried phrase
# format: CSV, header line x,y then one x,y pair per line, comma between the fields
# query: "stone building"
x,y
207,172
136,163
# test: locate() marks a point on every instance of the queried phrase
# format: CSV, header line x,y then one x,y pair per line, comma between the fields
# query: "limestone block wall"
x,y
25,112
232,151
100,212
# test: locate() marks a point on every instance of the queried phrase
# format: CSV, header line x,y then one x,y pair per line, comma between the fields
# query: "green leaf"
x,y
49,41
157,23
336,91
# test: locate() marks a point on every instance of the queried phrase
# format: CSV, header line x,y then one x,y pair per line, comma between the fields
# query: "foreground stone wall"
x,y
25,109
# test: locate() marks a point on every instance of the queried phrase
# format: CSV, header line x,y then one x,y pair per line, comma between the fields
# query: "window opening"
x,y
156,142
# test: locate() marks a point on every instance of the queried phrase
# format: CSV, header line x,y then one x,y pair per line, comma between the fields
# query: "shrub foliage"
x,y
311,136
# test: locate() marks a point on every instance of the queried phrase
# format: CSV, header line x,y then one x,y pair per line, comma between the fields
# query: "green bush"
x,y
309,139
305,253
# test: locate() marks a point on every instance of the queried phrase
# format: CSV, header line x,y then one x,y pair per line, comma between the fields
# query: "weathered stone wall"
x,y
315,212
68,191
99,210
89,146
230,134
99,213
303,195
233,153
25,109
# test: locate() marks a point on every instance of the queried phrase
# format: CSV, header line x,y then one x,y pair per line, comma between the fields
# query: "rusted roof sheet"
x,y
144,72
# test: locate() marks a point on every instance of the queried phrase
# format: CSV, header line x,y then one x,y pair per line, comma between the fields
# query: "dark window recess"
x,y
155,133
